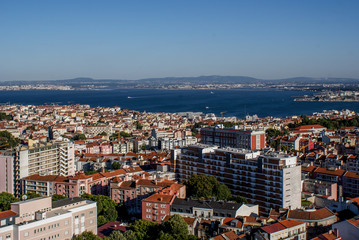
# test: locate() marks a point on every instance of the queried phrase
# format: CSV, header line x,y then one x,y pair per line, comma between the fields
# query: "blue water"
x,y
232,102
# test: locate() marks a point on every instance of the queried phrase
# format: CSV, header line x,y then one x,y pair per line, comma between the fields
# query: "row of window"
x,y
155,205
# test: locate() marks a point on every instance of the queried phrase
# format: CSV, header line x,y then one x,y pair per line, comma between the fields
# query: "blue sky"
x,y
44,40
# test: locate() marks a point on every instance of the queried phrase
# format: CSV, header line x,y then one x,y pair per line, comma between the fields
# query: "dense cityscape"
x,y
179,120
176,175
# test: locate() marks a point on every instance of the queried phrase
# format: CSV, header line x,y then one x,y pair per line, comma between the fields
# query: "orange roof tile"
x,y
161,198
351,175
337,172
6,214
310,215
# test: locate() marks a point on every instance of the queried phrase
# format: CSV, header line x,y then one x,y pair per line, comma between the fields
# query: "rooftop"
x,y
66,201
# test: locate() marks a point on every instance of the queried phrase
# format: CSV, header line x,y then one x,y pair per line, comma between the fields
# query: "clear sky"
x,y
132,39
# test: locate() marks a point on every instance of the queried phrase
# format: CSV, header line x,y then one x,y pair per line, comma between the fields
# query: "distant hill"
x,y
214,79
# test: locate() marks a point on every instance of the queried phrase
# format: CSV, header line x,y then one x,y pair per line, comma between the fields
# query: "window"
x,y
148,210
91,212
163,205
26,234
66,222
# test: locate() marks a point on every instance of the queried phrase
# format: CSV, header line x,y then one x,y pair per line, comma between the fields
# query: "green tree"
x,y
125,134
5,201
101,220
3,116
138,125
116,165
79,137
8,140
130,235
222,192
144,229
272,133
176,226
56,197
239,199
166,236
87,236
205,186
116,235
106,208
284,148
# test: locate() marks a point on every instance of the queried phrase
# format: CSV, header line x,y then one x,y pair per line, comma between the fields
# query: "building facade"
x,y
40,218
270,181
51,158
253,140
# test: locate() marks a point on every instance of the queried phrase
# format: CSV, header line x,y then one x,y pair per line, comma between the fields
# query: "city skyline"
x,y
134,40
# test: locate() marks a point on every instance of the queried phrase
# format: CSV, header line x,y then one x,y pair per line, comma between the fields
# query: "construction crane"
x,y
6,144
303,148
222,114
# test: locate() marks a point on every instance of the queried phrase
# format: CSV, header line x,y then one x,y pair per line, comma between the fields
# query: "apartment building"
x,y
270,181
286,229
156,207
253,140
211,209
40,218
55,158
74,186
96,130
131,193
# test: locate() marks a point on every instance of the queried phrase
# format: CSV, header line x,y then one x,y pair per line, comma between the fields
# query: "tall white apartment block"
x,y
271,181
56,158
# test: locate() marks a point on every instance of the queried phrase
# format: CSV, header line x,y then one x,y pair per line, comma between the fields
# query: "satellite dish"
x,y
24,197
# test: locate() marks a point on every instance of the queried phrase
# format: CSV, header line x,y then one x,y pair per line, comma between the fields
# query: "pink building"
x,y
131,193
156,207
7,176
77,185
40,218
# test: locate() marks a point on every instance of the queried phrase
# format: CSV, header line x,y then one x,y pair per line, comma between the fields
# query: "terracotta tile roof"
x,y
337,172
288,223
273,228
231,235
46,178
310,215
310,168
81,176
6,214
160,198
281,225
114,173
106,229
354,222
304,127
351,175
327,236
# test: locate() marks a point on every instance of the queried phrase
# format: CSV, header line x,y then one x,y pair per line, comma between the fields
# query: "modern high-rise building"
x,y
271,181
50,158
253,140
40,218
